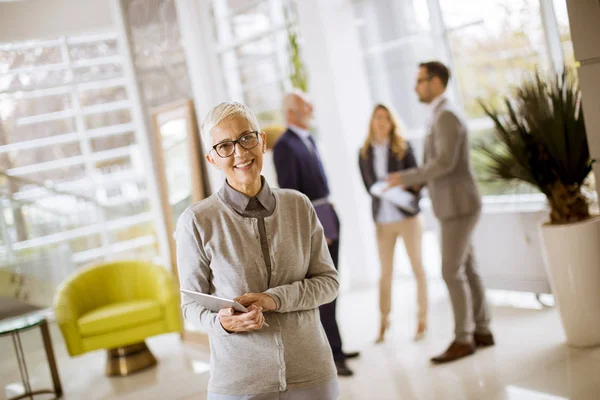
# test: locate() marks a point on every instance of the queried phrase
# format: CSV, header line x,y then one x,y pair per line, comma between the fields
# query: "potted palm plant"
x,y
541,140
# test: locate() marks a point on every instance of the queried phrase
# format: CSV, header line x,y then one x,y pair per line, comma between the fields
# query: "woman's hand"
x,y
232,321
264,301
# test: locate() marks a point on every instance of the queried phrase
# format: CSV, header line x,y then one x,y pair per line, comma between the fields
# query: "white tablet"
x,y
402,198
213,303
396,195
378,188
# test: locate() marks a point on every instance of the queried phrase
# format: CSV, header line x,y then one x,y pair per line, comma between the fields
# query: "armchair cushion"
x,y
119,316
116,303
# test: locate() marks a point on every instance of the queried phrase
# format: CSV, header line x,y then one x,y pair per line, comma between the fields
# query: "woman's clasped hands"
x,y
242,322
252,320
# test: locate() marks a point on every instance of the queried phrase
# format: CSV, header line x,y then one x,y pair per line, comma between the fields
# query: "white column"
x,y
552,35
142,128
442,44
339,90
200,48
376,54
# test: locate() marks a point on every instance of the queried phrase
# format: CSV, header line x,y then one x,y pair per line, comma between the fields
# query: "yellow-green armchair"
x,y
115,306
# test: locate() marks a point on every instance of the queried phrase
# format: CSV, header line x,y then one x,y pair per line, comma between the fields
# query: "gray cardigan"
x,y
218,252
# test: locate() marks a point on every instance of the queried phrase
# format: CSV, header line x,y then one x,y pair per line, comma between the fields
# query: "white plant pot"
x,y
572,258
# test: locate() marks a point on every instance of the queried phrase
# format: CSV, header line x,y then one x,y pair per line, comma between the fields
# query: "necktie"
x,y
316,154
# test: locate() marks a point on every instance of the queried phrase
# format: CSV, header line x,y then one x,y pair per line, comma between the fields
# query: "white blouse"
x,y
388,212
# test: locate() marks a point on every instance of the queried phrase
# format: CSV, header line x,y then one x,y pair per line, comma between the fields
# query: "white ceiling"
x,y
48,19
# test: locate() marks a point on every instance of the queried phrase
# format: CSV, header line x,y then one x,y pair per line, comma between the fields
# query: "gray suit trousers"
x,y
460,272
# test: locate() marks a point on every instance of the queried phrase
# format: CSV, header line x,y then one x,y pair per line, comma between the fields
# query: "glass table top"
x,y
24,321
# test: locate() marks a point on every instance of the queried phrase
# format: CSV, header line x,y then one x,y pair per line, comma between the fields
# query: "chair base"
x,y
127,360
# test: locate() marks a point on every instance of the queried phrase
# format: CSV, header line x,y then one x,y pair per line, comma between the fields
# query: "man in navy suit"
x,y
299,167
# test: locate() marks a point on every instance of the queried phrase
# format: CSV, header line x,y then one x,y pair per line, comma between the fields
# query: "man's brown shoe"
x,y
454,352
484,340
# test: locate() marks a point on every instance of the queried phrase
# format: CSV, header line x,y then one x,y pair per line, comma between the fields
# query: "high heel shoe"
x,y
385,323
421,331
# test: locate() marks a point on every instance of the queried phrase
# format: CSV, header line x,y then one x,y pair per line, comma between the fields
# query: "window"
x,y
396,36
254,52
492,46
489,45
72,183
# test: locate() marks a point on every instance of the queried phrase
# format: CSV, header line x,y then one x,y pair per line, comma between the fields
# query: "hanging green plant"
x,y
298,76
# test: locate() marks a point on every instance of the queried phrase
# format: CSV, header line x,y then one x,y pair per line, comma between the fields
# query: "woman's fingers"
x,y
253,307
226,319
252,320
242,322
260,321
225,312
247,298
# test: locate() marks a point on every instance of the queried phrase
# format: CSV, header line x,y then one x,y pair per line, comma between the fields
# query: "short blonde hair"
x,y
223,112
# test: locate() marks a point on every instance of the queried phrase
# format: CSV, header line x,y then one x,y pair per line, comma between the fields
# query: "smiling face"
x,y
381,124
244,166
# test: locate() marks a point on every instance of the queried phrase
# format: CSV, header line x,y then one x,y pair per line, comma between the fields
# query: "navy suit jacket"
x,y
300,169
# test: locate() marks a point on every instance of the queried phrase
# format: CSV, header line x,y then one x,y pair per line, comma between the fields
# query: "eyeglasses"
x,y
226,148
421,80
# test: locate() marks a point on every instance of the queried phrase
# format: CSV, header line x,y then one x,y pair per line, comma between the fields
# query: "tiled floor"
x,y
530,362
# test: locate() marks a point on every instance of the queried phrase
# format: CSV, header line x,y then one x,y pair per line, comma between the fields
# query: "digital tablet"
x,y
401,198
213,303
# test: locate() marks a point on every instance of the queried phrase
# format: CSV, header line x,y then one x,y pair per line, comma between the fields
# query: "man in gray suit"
x,y
456,202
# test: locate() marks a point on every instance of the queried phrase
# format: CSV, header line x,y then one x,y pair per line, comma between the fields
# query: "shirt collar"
x,y
239,201
437,101
303,133
381,146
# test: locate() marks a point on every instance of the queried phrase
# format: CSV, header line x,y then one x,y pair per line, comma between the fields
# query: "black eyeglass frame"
x,y
237,141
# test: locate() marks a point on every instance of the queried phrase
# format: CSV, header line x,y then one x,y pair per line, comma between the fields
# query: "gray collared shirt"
x,y
257,207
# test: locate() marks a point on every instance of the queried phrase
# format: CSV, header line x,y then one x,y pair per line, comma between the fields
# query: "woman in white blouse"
x,y
385,151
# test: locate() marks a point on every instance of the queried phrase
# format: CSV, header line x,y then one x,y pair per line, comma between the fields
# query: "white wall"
x,y
585,31
508,247
49,19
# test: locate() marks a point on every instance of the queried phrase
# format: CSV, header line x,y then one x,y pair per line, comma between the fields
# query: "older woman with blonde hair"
x,y
385,150
266,249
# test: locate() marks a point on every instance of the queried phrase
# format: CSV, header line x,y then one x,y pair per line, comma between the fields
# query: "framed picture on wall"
x,y
182,180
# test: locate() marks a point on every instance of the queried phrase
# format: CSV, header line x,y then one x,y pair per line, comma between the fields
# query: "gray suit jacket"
x,y
446,167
